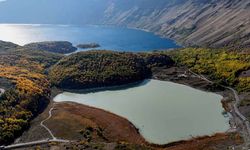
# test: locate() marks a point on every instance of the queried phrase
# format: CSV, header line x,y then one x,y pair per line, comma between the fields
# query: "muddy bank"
x,y
70,118
181,75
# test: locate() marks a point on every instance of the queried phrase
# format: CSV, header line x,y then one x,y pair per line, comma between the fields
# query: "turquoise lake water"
x,y
163,111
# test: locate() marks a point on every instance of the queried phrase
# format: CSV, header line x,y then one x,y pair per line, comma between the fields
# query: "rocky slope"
x,y
213,23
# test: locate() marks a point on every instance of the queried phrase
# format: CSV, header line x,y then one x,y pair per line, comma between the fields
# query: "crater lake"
x,y
110,38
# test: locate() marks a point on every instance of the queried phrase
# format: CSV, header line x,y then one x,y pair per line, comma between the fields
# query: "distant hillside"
x,y
61,47
206,23
210,23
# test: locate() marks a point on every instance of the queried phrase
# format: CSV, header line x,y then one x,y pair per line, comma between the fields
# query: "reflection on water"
x,y
112,38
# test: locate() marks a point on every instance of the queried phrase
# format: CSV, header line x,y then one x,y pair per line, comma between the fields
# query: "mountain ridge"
x,y
202,23
206,23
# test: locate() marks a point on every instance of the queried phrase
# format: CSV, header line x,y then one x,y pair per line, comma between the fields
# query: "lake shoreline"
x,y
100,89
174,77
172,145
222,93
146,142
143,141
60,32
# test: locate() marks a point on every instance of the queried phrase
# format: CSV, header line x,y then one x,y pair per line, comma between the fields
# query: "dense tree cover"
x,y
7,45
62,47
20,103
26,69
30,91
98,68
89,45
36,57
221,65
104,68
156,59
26,58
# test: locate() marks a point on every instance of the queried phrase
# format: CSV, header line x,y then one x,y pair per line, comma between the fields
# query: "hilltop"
x,y
62,47
93,69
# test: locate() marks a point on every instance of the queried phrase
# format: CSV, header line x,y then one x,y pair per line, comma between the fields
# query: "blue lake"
x,y
112,38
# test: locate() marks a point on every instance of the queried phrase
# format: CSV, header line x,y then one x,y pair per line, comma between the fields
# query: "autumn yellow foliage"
x,y
28,91
221,65
25,80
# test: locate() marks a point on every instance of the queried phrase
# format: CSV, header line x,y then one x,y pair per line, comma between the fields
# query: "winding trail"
x,y
32,143
235,105
54,139
44,126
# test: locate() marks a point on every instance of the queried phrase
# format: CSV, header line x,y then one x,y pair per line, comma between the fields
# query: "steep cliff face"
x,y
213,23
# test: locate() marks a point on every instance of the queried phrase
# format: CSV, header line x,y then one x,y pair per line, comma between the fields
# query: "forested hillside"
x,y
221,65
30,90
61,47
93,69
24,77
